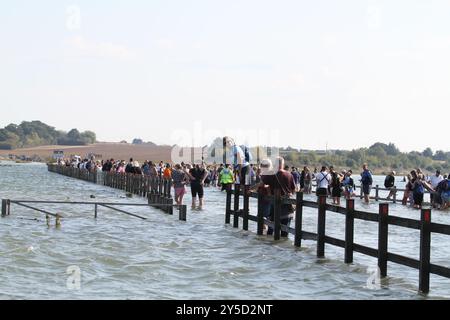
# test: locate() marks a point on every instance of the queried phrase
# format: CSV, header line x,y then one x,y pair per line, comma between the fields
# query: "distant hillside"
x,y
36,133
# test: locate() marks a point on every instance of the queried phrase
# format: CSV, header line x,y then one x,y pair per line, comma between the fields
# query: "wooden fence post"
x,y
260,226
246,208
321,227
349,230
228,205
4,207
236,206
298,219
377,193
395,195
383,238
183,213
425,244
277,215
170,197
95,211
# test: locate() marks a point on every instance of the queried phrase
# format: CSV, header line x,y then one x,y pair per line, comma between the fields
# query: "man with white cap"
x,y
277,180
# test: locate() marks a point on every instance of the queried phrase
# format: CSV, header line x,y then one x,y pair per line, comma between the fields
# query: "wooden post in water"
x,y
4,204
246,208
260,226
169,195
377,193
236,206
395,195
183,212
425,248
321,227
383,238
228,205
298,219
349,230
277,215
95,211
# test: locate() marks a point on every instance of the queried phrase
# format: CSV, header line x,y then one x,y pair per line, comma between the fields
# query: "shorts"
x,y
322,192
445,196
180,191
418,198
337,192
366,189
196,189
226,186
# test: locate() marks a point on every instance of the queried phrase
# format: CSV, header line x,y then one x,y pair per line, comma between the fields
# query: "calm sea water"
x,y
121,257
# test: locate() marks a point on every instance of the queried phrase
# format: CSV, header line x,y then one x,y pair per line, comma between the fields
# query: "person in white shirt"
x,y
323,179
434,181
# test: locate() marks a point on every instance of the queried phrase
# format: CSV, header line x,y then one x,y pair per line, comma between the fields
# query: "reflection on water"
x,y
121,257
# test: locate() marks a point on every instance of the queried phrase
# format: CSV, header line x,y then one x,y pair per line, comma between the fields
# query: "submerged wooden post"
x,y
277,215
260,227
349,230
321,227
377,193
383,238
183,210
246,208
298,219
395,195
169,196
4,204
95,211
228,205
425,244
236,206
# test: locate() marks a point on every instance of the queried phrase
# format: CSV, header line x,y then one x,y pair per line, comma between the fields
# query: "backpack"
x,y
335,180
247,153
367,178
388,182
444,185
419,189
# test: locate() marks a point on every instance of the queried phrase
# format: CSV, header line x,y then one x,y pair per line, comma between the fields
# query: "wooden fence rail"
x,y
156,189
382,218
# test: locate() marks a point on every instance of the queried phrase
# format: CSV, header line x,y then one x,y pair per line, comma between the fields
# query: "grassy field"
x,y
106,150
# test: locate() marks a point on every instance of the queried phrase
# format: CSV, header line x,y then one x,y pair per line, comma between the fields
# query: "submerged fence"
x,y
157,190
382,219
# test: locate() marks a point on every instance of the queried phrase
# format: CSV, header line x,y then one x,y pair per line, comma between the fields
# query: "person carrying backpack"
x,y
366,182
336,191
240,158
445,193
389,183
417,189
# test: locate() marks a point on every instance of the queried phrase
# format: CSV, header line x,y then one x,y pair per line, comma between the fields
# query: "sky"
x,y
307,74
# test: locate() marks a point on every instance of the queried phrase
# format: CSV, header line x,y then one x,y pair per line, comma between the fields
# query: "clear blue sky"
x,y
302,73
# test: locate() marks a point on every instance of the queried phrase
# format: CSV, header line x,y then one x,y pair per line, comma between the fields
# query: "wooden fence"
x,y
156,189
382,219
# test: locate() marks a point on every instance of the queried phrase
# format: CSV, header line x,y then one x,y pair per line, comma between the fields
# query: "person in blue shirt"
x,y
366,182
240,157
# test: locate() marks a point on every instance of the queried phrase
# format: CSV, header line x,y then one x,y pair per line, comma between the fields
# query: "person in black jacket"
x,y
389,183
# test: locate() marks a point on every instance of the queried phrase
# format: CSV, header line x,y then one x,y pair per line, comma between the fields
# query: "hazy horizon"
x,y
327,74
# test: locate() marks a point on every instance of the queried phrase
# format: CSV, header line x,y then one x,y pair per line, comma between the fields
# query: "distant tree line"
x,y
381,157
37,133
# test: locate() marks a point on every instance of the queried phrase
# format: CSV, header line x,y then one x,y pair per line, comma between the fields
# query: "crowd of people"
x,y
268,178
